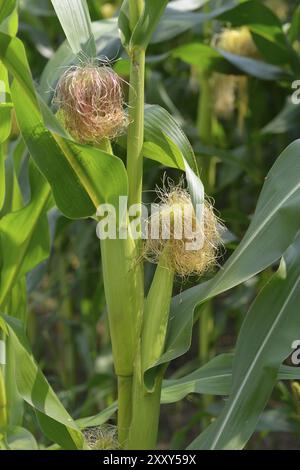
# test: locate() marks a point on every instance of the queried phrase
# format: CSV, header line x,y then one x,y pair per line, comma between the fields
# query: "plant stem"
x,y
123,282
146,402
144,428
124,408
136,113
204,125
135,182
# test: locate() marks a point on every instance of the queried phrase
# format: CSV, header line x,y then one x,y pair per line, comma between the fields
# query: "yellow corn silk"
x,y
194,250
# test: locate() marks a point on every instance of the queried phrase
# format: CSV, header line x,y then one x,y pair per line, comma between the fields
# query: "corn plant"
x,y
84,150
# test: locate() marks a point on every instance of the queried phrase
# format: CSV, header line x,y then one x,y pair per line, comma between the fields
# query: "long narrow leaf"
x,y
24,237
146,25
75,20
165,141
36,391
264,342
214,378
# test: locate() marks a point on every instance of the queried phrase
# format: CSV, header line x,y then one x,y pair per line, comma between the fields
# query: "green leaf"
x,y
165,141
36,391
2,176
6,8
155,321
10,24
202,56
205,57
24,237
13,200
177,21
273,228
285,121
75,20
15,403
294,29
145,27
142,33
17,438
124,24
81,177
99,419
255,68
263,344
5,105
214,378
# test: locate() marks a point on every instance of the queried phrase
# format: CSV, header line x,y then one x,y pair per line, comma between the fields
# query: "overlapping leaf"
x,y
214,378
36,391
142,33
205,57
264,342
6,8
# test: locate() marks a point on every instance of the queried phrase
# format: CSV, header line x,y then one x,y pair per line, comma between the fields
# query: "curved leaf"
x,y
285,121
6,8
177,21
99,419
36,391
205,57
18,438
255,68
165,141
264,342
214,378
24,237
75,20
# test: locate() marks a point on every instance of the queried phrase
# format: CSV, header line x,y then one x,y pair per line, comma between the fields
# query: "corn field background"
x,y
94,352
